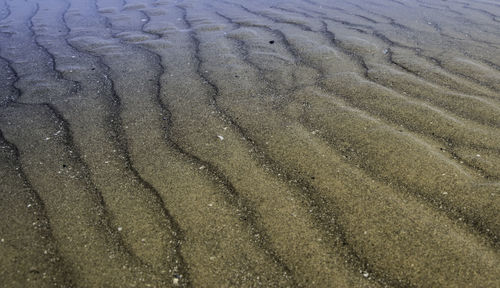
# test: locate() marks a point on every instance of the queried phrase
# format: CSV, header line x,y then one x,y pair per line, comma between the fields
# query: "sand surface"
x,y
266,143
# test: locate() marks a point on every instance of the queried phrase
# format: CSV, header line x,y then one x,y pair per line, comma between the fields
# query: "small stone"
x,y
175,280
120,229
220,137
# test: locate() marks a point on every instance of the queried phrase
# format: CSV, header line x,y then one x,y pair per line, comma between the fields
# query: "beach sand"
x,y
230,143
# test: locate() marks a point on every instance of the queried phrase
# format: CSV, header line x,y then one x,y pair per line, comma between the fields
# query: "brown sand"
x,y
230,143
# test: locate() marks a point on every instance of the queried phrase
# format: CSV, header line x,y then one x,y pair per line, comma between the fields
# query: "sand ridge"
x,y
249,143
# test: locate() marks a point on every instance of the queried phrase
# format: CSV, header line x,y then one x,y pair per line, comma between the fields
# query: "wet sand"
x,y
229,143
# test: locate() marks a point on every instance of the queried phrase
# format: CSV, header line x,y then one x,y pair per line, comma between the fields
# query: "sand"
x,y
230,143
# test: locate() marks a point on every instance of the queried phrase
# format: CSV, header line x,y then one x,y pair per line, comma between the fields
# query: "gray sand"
x,y
229,143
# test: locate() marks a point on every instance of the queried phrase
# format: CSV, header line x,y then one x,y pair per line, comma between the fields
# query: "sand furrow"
x,y
30,252
64,128
206,144
249,102
229,143
325,217
152,229
343,88
187,164
87,242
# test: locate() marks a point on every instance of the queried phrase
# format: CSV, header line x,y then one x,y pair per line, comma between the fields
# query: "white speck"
x,y
45,252
210,204
106,162
212,258
385,51
47,139
175,280
366,274
366,232
2,240
144,20
220,137
225,128
73,56
202,167
29,205
120,229
445,193
477,155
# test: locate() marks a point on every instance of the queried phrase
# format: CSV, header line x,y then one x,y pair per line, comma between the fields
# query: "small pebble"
x,y
120,228
220,137
175,280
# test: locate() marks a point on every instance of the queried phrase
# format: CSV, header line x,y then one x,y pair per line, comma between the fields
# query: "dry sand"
x,y
230,143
